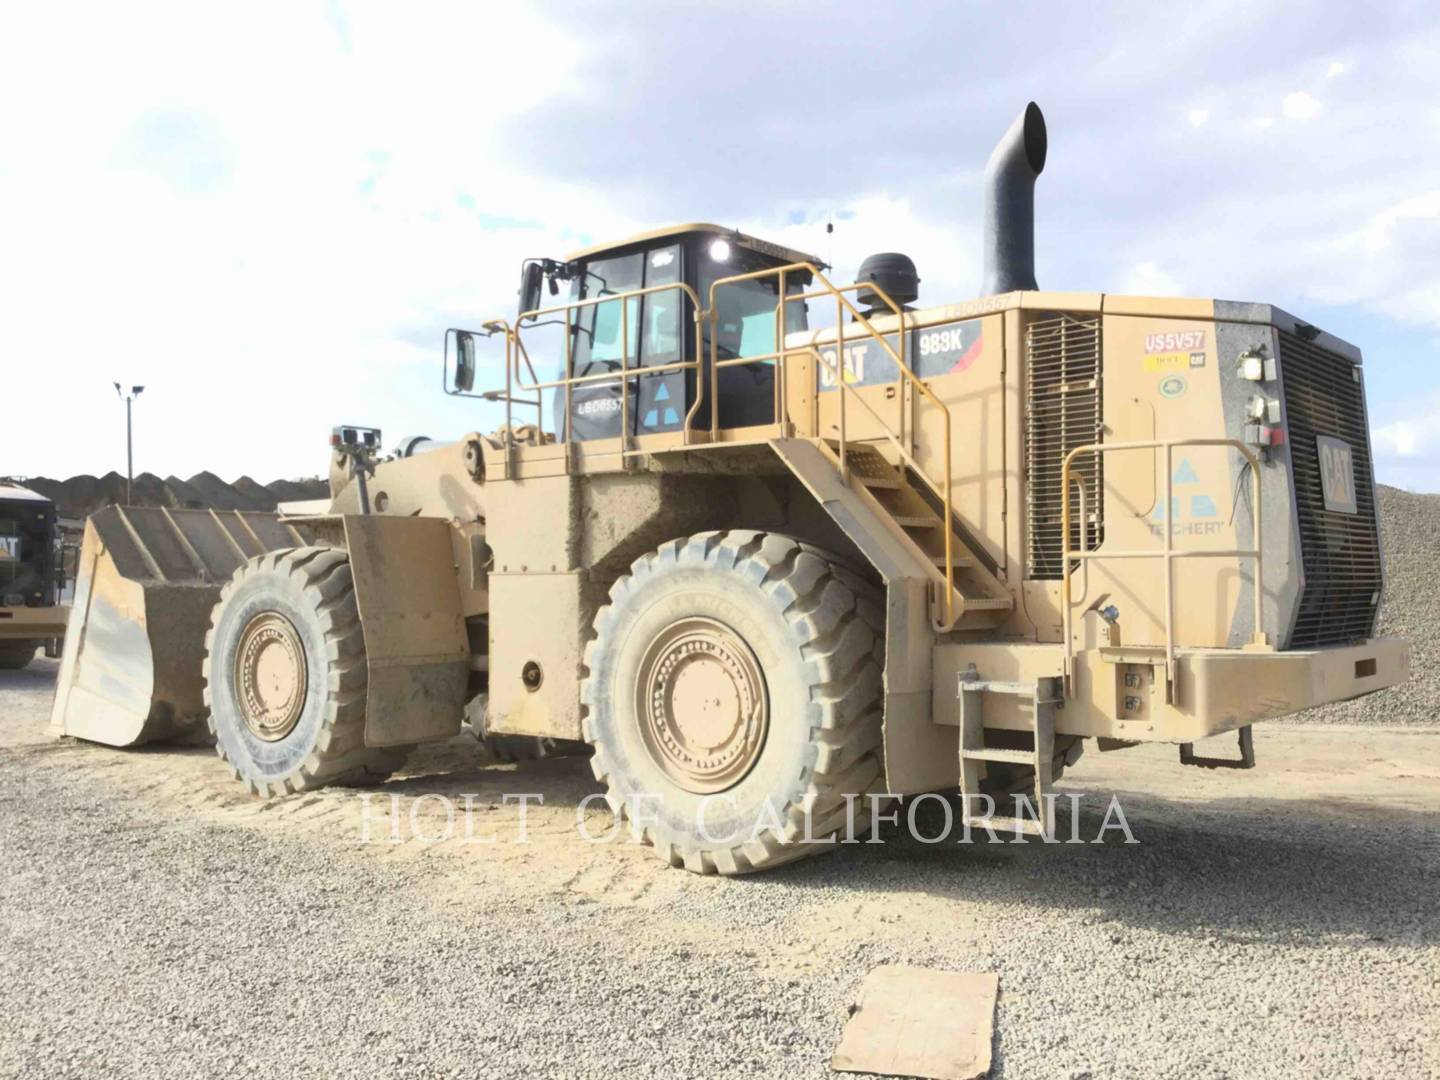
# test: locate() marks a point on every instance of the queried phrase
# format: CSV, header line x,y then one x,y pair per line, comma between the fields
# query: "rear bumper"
x,y
38,623
1228,689
1122,695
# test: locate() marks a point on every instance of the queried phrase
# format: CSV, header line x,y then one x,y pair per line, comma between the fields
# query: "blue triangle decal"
x,y
671,416
649,420
1159,512
662,394
1184,474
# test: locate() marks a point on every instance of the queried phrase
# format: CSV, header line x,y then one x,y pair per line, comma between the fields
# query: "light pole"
x,y
135,391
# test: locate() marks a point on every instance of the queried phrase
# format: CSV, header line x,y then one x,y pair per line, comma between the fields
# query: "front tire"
x,y
15,655
733,699
286,675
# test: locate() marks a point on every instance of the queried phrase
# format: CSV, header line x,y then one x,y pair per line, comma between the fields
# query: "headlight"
x,y
720,250
1252,366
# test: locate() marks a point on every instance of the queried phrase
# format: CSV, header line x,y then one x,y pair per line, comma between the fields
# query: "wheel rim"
x,y
702,705
270,676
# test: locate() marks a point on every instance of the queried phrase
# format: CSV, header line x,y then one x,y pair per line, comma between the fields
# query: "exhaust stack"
x,y
1010,175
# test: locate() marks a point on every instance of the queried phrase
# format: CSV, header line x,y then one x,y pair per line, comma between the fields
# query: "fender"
x,y
407,589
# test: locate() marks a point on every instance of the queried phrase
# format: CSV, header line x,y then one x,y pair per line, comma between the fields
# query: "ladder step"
x,y
916,521
993,686
1008,757
989,603
877,481
957,561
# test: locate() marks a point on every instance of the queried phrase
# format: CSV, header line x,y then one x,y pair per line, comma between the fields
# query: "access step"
x,y
1043,694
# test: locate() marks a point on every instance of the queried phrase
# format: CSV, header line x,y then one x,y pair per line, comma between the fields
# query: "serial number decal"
x,y
1175,341
597,406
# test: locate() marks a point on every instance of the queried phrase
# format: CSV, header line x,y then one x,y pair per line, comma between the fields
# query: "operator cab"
x,y
27,548
659,330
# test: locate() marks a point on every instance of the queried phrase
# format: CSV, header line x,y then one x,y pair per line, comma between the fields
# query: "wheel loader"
x,y
770,545
31,578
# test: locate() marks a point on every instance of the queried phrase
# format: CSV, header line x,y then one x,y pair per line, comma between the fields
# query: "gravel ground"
x,y
1410,535
157,922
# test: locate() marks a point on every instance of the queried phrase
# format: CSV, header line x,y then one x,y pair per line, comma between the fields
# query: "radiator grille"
x,y
1063,411
1340,552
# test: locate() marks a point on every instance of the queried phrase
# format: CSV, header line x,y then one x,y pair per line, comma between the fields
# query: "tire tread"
x,y
340,755
836,618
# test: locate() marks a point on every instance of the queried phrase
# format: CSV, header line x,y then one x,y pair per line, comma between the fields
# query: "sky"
x,y
267,214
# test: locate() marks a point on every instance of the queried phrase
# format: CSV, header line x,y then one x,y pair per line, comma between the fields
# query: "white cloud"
x,y
946,261
311,284
1409,446
1149,279
1336,68
1401,438
1301,106
1197,117
1385,260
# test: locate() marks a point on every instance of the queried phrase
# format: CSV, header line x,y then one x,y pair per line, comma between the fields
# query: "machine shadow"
x,y
1255,870
1193,871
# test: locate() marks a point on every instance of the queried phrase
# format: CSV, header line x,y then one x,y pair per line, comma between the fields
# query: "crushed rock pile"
x,y
1410,539
80,496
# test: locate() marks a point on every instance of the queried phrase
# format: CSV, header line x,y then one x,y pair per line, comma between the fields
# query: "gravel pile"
x,y
1410,535
80,496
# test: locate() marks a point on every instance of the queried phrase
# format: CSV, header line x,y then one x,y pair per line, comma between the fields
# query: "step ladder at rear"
x,y
1042,696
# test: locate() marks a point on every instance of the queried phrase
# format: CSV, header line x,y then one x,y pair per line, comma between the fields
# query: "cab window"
x,y
661,311
598,331
652,324
745,310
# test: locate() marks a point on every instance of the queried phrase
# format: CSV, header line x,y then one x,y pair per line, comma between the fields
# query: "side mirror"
x,y
531,279
464,361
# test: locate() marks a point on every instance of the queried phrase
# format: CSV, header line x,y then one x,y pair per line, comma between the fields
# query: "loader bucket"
x,y
135,644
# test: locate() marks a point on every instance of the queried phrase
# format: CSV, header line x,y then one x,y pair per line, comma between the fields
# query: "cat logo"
x,y
1337,474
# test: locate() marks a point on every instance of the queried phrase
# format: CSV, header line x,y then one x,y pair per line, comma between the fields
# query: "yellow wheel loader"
x,y
771,545
31,578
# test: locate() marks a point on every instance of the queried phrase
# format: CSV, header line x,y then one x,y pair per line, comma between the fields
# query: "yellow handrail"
x,y
1167,553
625,373
516,352
842,305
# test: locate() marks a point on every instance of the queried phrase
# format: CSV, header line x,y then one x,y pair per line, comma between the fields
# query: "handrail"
x,y
842,304
1167,552
500,326
516,352
909,459
625,373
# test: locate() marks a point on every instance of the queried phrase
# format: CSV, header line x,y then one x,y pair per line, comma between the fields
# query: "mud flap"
x,y
407,588
135,643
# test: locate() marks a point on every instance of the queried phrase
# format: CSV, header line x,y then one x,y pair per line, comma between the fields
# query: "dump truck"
x,y
31,577
771,546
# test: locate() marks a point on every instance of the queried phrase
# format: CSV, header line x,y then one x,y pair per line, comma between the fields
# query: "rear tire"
x,y
285,676
15,655
739,674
